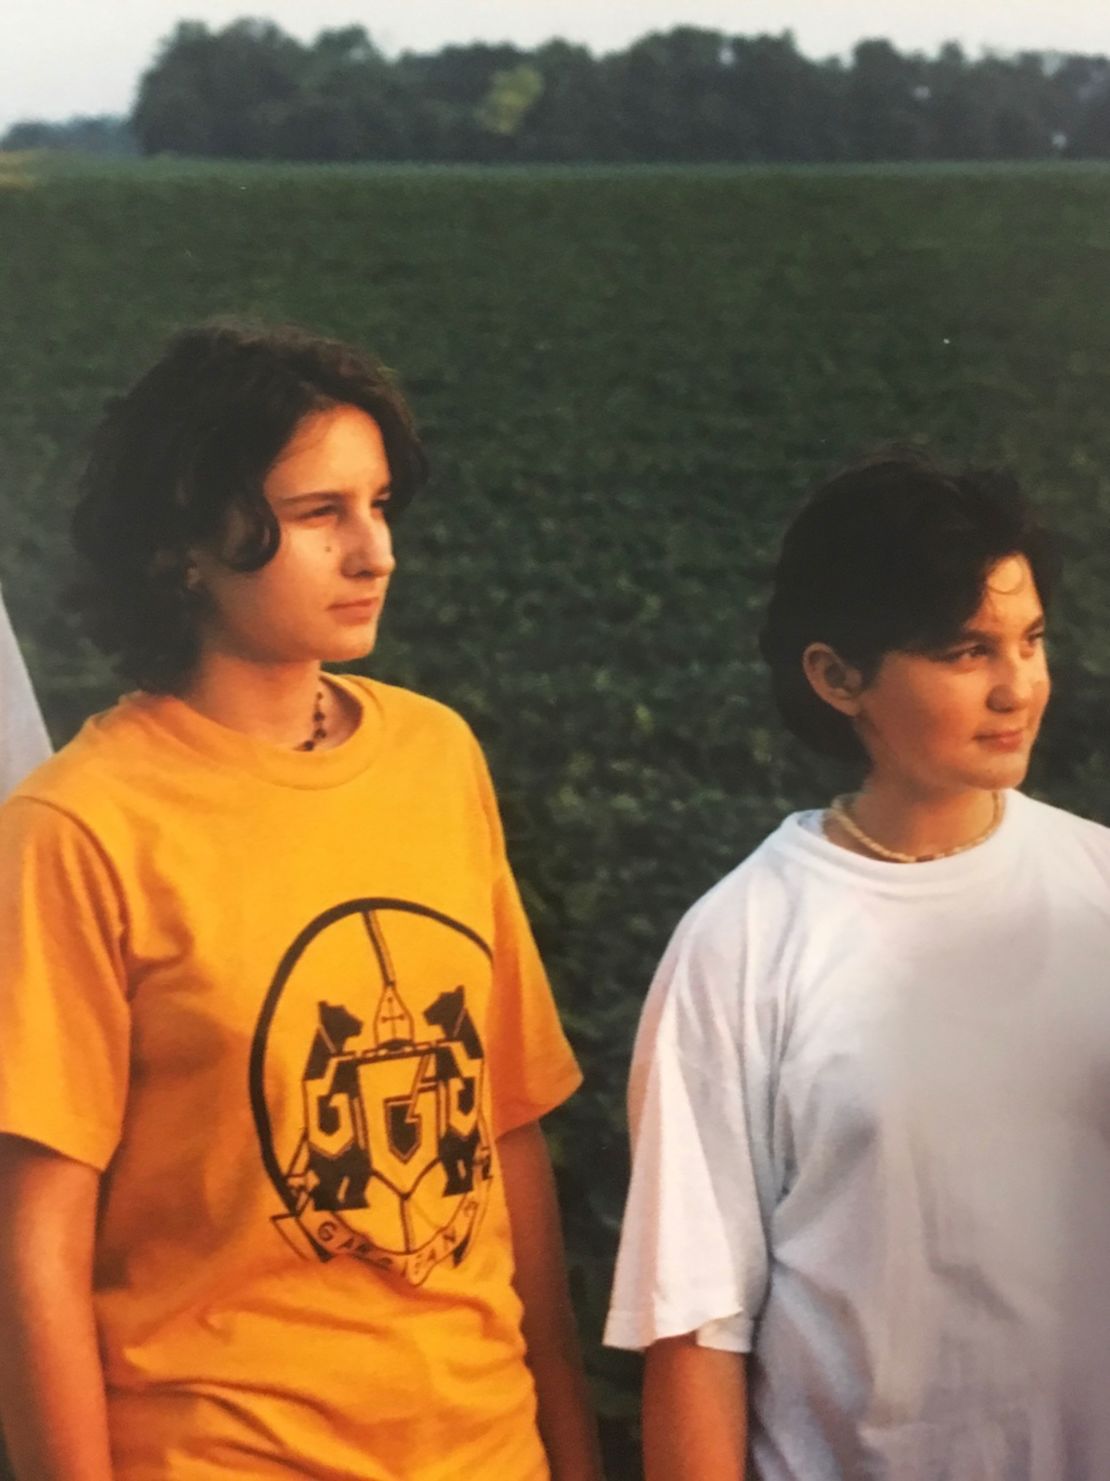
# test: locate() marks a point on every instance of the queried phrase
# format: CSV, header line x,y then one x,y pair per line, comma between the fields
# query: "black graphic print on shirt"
x,y
368,1087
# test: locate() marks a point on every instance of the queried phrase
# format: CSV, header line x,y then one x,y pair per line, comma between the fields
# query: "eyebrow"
x,y
977,635
386,488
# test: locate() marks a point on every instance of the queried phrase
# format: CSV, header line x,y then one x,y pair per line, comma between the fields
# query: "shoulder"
x,y
429,734
1052,828
77,774
406,710
429,739
758,896
1040,815
52,858
111,779
723,951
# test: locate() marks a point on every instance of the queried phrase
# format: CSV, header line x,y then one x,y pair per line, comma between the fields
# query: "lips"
x,y
1004,740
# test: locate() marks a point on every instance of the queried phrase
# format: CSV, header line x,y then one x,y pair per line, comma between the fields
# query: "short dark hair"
x,y
192,440
892,554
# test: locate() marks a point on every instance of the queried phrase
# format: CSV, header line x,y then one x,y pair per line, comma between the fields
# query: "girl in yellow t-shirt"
x,y
276,1035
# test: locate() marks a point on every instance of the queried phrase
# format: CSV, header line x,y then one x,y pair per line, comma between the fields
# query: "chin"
x,y
349,651
1002,776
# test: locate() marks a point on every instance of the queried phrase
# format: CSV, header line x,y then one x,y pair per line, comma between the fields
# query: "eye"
x,y
321,511
973,650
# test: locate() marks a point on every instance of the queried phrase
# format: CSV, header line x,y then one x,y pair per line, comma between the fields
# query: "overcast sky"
x,y
61,57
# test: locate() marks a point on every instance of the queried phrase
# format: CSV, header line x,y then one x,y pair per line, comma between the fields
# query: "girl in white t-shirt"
x,y
870,1200
23,738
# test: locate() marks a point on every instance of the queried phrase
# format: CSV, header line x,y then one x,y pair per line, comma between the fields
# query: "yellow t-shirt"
x,y
287,1001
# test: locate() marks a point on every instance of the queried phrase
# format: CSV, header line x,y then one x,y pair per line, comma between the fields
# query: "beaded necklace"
x,y
838,809
319,725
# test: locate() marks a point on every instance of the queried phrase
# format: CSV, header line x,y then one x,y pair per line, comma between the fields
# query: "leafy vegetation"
x,y
101,134
251,91
626,381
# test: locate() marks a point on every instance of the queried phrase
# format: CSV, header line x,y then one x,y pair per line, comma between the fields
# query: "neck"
x,y
271,702
915,822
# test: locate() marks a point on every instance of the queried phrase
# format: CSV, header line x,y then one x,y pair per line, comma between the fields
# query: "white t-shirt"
x,y
23,738
870,1106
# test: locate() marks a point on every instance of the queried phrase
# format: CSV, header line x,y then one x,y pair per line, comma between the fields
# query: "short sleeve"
x,y
693,1250
532,1067
64,1016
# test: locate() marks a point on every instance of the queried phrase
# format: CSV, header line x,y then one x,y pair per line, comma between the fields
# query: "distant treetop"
x,y
250,91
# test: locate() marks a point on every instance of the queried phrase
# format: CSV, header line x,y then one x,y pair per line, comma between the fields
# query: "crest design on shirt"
x,y
382,1150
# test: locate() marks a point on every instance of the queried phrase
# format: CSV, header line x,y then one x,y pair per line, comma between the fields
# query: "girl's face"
x,y
965,716
321,595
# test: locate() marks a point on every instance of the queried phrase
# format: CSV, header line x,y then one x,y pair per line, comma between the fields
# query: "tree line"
x,y
251,91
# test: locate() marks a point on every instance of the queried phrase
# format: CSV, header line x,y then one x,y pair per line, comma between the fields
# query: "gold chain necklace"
x,y
838,809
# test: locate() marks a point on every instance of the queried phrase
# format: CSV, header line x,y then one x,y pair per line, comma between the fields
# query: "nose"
x,y
369,549
1017,681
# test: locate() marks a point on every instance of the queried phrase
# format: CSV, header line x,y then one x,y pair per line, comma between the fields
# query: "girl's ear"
x,y
832,679
177,569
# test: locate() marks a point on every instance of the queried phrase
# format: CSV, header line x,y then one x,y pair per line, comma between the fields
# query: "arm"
x,y
566,1420
52,1402
695,1412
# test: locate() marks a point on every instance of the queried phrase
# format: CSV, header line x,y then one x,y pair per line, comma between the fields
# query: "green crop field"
x,y
626,381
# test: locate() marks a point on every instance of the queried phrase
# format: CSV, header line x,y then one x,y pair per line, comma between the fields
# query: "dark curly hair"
x,y
190,442
891,554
